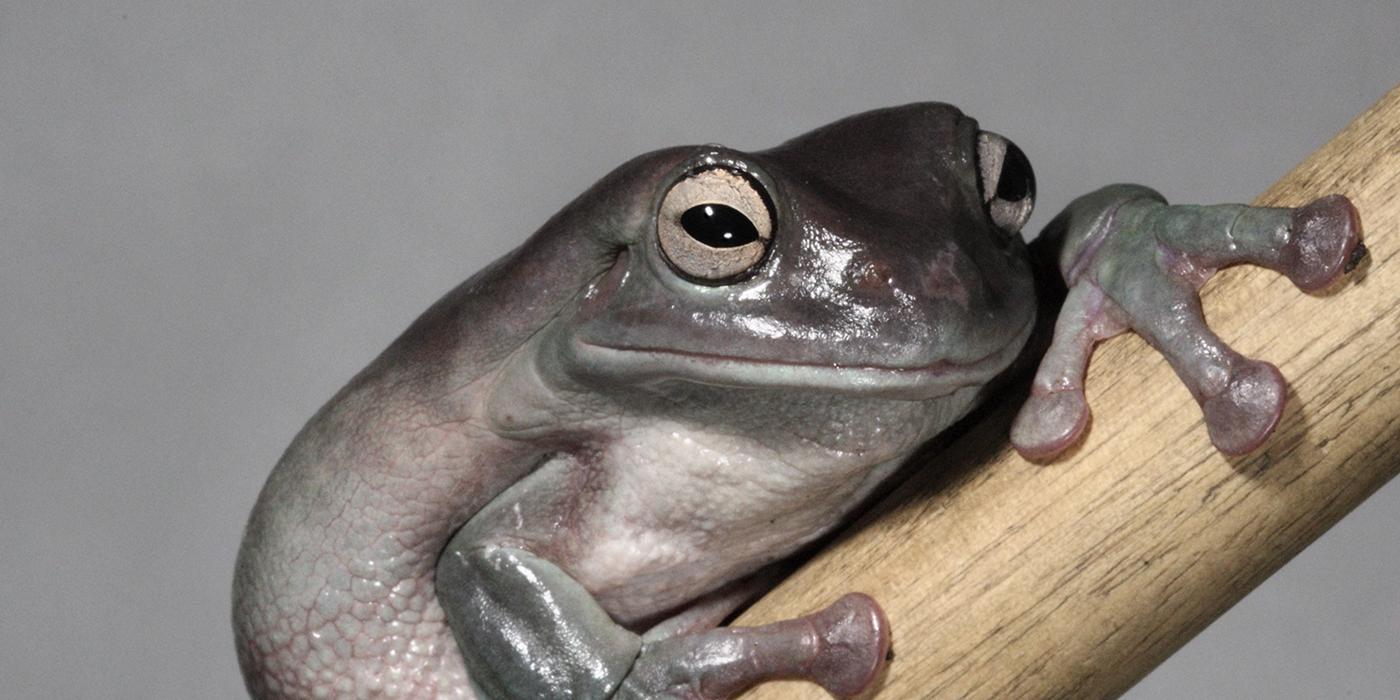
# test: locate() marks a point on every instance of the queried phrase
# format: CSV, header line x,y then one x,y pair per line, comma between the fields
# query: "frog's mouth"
x,y
932,380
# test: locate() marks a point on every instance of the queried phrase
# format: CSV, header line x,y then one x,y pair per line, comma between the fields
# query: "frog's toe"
x,y
1241,417
1056,413
1325,243
1049,423
1241,398
854,641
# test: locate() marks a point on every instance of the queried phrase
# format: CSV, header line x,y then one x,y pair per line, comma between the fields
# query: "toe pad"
x,y
1241,417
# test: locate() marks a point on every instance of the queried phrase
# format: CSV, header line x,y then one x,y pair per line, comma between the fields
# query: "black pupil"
x,y
718,226
1017,180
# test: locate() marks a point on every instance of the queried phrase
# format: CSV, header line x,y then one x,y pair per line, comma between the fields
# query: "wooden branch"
x,y
1003,578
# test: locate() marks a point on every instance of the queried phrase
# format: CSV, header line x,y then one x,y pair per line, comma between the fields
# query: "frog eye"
x,y
1007,181
714,226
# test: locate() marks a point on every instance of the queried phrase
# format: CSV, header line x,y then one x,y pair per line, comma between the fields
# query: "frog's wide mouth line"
x,y
913,382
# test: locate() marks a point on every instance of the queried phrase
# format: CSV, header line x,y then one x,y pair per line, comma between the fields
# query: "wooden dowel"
x,y
1006,579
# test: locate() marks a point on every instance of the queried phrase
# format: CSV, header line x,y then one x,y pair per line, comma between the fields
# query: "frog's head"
x,y
879,255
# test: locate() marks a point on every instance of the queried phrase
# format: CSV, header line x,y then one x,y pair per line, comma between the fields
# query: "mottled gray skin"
x,y
576,464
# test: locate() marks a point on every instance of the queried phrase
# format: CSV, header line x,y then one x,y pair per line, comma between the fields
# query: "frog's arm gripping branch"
x,y
1132,262
528,630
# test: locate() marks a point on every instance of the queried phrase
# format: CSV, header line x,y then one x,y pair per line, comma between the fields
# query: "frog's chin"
x,y
928,381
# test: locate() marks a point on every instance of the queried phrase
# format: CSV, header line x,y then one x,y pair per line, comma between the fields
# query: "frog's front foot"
x,y
842,649
526,629
1133,262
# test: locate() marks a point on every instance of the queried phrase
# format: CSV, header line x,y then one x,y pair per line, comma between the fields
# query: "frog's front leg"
x,y
1134,262
529,630
842,649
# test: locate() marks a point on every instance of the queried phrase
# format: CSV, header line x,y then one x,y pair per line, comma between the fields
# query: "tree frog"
x,y
570,470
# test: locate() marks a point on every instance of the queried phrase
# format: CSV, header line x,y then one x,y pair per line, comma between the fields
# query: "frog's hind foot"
x,y
1133,262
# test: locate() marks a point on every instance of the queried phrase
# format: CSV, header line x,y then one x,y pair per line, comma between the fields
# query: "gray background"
x,y
214,214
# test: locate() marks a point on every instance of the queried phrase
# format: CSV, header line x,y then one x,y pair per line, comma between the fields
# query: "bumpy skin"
x,y
571,468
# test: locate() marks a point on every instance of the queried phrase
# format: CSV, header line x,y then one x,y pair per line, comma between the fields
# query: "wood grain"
x,y
1007,579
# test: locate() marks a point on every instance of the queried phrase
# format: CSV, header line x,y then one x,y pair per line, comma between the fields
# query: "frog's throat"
x,y
920,382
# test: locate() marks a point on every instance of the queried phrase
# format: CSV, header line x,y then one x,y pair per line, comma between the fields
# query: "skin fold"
x,y
569,470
